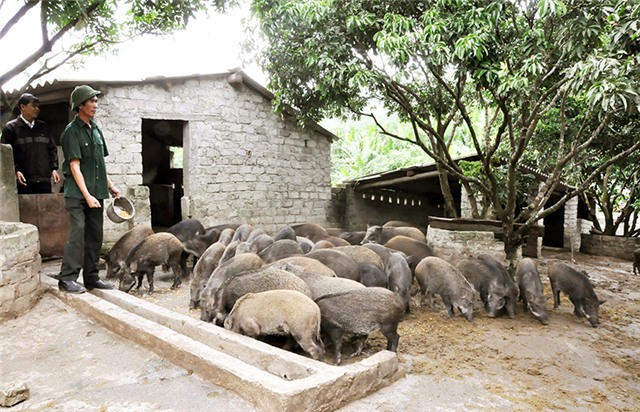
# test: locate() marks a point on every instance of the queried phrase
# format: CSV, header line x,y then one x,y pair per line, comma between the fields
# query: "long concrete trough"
x,y
272,379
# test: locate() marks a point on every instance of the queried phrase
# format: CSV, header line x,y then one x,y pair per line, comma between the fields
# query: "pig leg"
x,y
446,300
556,294
577,308
336,337
510,307
183,264
176,278
150,280
177,269
484,297
525,304
359,341
423,291
390,332
431,301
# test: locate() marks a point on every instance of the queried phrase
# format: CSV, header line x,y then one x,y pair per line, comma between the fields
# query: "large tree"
x,y
438,63
87,27
615,190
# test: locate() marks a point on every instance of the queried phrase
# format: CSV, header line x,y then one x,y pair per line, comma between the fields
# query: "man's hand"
x,y
115,192
20,178
55,176
92,202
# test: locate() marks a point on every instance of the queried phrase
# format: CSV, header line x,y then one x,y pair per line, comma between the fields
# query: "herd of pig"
x,y
307,281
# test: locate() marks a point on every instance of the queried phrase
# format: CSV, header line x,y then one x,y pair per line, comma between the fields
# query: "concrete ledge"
x,y
271,378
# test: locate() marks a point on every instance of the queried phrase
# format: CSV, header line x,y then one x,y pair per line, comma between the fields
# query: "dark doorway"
x,y
554,226
57,116
162,169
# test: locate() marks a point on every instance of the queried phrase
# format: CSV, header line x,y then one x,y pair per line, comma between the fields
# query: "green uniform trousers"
x,y
82,248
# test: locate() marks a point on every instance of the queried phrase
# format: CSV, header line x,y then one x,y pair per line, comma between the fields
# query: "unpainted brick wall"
x,y
377,207
243,163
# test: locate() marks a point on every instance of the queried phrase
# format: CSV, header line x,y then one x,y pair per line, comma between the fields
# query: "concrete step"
x,y
271,378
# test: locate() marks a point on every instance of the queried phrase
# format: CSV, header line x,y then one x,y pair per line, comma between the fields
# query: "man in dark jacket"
x,y
34,151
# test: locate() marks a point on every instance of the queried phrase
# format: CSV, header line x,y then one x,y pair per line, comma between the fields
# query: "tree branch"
x,y
46,47
16,17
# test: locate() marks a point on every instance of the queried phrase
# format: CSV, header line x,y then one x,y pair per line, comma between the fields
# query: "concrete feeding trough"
x,y
271,378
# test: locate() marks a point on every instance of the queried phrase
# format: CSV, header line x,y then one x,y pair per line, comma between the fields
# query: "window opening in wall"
x,y
176,159
162,169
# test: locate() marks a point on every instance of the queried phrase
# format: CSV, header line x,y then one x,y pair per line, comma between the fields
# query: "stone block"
x,y
23,304
7,293
13,393
29,284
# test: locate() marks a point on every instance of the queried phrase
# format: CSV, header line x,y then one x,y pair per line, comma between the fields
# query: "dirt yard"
x,y
517,364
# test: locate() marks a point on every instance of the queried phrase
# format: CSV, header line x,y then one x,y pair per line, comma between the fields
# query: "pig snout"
x,y
127,283
468,314
593,320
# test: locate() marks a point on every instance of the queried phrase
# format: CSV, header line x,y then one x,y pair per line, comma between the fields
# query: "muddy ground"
x,y
508,364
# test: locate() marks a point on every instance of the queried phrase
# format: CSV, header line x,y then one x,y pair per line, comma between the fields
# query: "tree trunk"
x,y
511,244
449,203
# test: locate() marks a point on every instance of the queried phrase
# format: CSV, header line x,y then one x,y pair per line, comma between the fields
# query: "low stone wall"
x,y
612,246
20,265
454,245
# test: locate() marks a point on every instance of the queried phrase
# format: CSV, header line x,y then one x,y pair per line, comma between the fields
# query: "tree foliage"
x,y
615,190
361,150
434,63
70,29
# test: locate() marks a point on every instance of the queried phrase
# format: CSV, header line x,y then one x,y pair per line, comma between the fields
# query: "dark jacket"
x,y
34,150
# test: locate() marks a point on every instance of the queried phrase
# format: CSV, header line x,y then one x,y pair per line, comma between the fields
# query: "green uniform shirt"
x,y
79,141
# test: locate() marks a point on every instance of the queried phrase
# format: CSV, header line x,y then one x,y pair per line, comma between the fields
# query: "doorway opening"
x,y
554,226
162,169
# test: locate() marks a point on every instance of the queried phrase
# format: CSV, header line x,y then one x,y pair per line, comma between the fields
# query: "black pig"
x,y
531,291
564,278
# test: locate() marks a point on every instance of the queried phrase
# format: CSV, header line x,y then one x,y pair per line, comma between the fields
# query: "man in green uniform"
x,y
85,188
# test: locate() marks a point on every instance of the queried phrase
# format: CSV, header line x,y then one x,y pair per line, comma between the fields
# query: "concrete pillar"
x,y
465,206
571,228
9,211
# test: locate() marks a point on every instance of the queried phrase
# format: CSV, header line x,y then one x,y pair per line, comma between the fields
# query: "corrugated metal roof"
x,y
427,171
49,87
